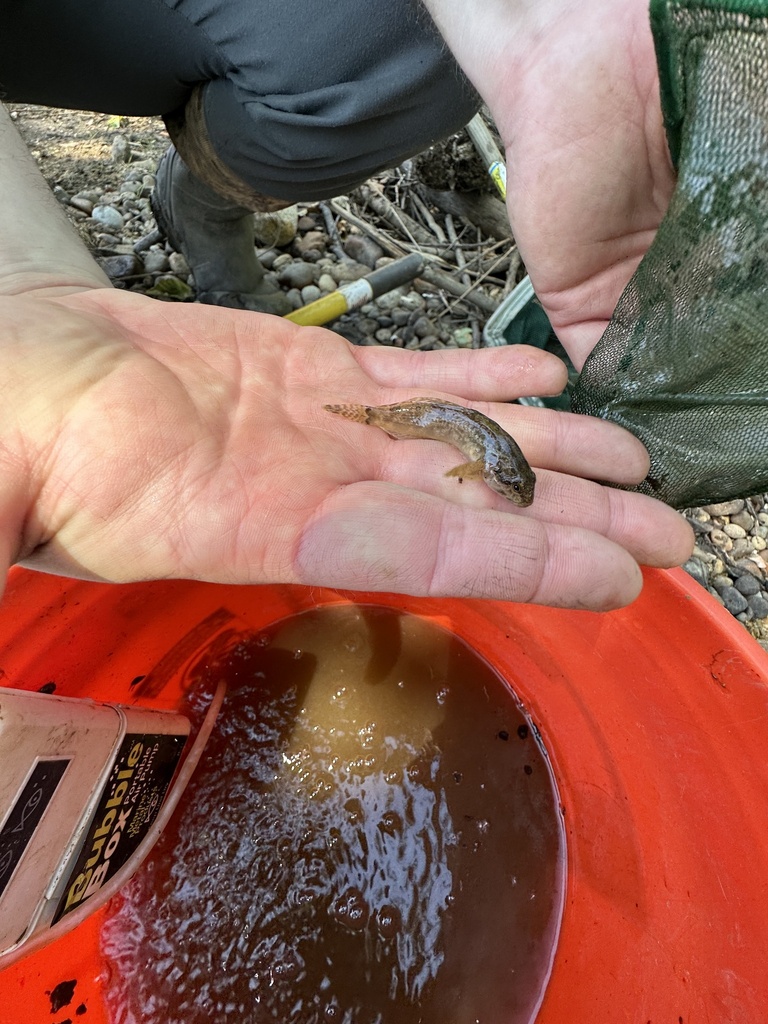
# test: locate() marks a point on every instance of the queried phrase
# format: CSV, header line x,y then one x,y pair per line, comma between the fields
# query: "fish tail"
x,y
356,413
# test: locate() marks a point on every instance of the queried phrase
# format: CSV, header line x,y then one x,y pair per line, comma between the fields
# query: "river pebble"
x,y
296,274
363,250
179,265
747,585
121,266
108,217
349,270
310,243
156,261
326,283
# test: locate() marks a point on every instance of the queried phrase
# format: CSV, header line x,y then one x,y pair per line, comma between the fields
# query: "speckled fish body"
x,y
492,454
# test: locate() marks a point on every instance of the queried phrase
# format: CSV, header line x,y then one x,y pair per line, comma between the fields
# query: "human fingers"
x,y
490,375
377,536
652,532
579,445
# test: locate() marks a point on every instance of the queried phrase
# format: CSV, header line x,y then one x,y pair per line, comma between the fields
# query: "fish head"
x,y
512,482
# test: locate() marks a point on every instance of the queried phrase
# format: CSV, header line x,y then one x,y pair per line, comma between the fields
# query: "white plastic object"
x,y
82,785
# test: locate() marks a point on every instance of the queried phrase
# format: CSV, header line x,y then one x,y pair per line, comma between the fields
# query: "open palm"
x,y
191,442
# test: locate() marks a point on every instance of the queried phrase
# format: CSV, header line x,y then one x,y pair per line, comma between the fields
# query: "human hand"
x,y
573,89
141,440
588,161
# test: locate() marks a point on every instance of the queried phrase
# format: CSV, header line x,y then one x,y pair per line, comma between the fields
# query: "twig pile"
x,y
472,259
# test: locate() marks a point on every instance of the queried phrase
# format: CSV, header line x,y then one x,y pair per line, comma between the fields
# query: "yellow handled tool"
x,y
357,293
489,151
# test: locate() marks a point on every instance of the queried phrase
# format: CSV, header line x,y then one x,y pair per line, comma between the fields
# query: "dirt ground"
x,y
73,148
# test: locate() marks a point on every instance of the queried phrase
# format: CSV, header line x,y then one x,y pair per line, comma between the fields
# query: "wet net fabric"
x,y
683,363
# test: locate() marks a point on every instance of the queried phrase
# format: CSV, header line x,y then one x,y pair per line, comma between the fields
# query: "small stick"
x,y
400,220
432,223
487,272
333,232
461,262
477,334
387,243
474,295
486,146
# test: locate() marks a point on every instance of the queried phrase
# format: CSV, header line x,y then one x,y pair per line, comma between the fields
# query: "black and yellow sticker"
x,y
129,804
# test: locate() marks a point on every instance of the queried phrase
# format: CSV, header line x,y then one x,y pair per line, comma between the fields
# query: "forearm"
x,y
38,247
510,49
488,40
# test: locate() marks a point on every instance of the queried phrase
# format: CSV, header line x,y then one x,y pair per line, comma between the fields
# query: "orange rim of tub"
x,y
655,720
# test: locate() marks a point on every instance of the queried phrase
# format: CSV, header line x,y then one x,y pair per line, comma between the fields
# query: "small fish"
x,y
492,454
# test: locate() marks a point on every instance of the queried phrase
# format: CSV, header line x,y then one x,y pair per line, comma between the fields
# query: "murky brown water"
x,y
372,838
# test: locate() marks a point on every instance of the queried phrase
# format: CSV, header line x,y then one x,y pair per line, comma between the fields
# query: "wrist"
x,y
47,367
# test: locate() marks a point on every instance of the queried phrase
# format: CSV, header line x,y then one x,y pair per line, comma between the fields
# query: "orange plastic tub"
x,y
655,719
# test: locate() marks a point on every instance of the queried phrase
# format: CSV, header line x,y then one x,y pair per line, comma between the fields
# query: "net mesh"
x,y
683,363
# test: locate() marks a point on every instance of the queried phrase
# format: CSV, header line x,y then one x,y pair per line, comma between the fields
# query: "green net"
x,y
683,363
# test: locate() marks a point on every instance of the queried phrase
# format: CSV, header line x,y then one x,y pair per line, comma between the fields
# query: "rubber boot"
x,y
216,237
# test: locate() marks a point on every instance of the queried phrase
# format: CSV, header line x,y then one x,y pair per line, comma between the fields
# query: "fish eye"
x,y
516,487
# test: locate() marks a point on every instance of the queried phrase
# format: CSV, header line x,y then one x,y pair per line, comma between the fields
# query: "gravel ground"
x,y
731,558
101,170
